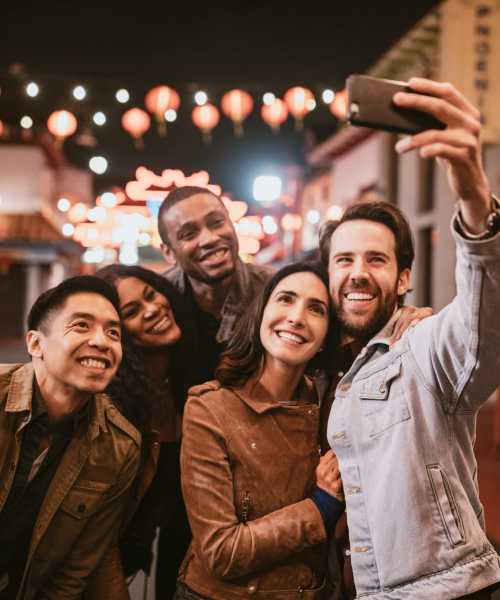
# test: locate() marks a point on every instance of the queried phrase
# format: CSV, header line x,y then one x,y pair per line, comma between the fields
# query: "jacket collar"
x,y
256,397
20,395
20,398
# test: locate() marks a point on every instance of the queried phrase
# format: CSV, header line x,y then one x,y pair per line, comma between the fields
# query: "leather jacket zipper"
x,y
245,507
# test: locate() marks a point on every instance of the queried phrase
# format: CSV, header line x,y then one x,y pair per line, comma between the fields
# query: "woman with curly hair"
x,y
149,389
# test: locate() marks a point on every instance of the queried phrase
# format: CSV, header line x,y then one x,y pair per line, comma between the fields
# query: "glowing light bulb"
x,y
268,98
200,98
32,89
99,118
63,204
327,96
26,122
122,96
170,115
68,229
98,164
79,92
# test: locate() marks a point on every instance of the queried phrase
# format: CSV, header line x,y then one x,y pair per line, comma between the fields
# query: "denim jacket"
x,y
403,427
83,507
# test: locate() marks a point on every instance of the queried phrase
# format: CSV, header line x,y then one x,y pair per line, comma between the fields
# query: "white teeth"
x,y
215,255
359,296
291,336
160,325
91,362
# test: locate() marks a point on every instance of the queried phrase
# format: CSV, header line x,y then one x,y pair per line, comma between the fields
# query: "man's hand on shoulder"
x,y
457,147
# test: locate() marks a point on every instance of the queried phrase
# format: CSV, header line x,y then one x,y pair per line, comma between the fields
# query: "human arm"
x,y
457,351
227,546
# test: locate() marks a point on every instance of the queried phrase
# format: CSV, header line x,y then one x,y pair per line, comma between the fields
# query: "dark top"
x,y
342,361
20,511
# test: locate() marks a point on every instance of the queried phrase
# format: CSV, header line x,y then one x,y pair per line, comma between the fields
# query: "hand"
x,y
328,475
409,316
457,148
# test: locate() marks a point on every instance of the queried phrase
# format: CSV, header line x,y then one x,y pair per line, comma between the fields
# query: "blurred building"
x,y
34,253
459,41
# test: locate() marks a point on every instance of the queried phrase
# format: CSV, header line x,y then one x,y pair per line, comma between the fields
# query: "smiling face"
x,y
295,319
147,314
201,238
81,348
364,278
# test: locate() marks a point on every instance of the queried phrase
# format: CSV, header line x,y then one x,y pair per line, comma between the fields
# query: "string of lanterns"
x,y
162,102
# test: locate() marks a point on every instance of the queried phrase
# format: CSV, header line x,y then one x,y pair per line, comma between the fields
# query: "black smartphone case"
x,y
369,102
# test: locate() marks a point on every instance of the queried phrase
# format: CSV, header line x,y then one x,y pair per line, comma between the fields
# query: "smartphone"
x,y
369,104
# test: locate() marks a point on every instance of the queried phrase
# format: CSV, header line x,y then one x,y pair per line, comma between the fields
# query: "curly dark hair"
x,y
244,351
132,389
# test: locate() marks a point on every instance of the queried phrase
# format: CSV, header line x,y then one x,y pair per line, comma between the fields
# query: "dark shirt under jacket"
x,y
342,361
19,514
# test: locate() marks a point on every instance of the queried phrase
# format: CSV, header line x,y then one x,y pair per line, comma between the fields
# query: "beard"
x,y
367,327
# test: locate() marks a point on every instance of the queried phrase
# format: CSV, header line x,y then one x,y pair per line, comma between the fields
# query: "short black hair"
x,y
380,212
54,298
181,193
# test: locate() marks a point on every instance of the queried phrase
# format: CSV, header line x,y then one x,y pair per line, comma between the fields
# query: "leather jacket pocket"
x,y
447,506
84,498
383,401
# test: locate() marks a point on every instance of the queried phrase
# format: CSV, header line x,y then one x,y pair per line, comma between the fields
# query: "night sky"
x,y
212,46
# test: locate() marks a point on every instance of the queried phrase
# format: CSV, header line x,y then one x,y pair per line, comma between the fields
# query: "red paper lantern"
x,y
136,122
62,124
206,118
274,114
237,105
160,99
298,99
338,106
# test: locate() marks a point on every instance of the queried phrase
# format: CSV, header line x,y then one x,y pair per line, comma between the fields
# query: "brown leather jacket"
x,y
248,465
83,506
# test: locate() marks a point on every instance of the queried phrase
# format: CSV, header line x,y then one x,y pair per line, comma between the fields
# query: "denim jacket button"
x,y
382,388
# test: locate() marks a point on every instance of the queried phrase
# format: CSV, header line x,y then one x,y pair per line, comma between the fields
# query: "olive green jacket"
x,y
82,509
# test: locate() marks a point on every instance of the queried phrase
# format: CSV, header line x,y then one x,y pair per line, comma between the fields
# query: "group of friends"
x,y
293,434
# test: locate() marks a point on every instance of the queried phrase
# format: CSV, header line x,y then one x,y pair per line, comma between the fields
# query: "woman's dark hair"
x,y
244,352
132,389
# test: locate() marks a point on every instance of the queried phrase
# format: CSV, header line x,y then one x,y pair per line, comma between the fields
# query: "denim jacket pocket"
x,y
383,401
84,499
447,506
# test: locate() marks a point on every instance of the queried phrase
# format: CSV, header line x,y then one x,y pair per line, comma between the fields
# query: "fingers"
x,y
446,91
444,111
409,317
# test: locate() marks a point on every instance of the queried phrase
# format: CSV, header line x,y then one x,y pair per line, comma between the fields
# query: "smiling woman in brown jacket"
x,y
259,500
